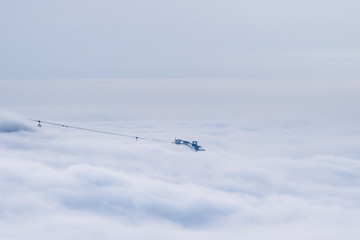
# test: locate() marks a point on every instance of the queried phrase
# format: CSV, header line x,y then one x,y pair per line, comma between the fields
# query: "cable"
x,y
98,131
193,145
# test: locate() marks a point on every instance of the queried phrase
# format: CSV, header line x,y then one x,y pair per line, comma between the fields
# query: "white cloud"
x,y
292,178
10,122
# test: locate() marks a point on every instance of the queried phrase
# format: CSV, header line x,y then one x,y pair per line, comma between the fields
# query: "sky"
x,y
308,39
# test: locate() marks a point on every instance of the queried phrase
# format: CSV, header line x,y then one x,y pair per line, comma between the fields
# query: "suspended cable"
x,y
193,145
98,131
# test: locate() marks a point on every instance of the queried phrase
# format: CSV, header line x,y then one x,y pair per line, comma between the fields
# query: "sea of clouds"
x,y
281,160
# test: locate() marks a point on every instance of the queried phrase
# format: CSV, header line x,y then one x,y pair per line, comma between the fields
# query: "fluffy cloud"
x,y
10,122
55,178
281,179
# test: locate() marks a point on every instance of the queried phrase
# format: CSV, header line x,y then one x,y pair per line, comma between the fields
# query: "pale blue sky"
x,y
179,39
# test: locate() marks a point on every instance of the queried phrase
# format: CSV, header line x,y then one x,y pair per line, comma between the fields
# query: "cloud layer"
x,y
72,182
288,176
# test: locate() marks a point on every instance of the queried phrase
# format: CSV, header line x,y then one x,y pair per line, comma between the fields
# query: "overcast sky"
x,y
180,39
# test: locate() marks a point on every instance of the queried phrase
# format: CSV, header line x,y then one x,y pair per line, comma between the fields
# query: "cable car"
x,y
193,145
